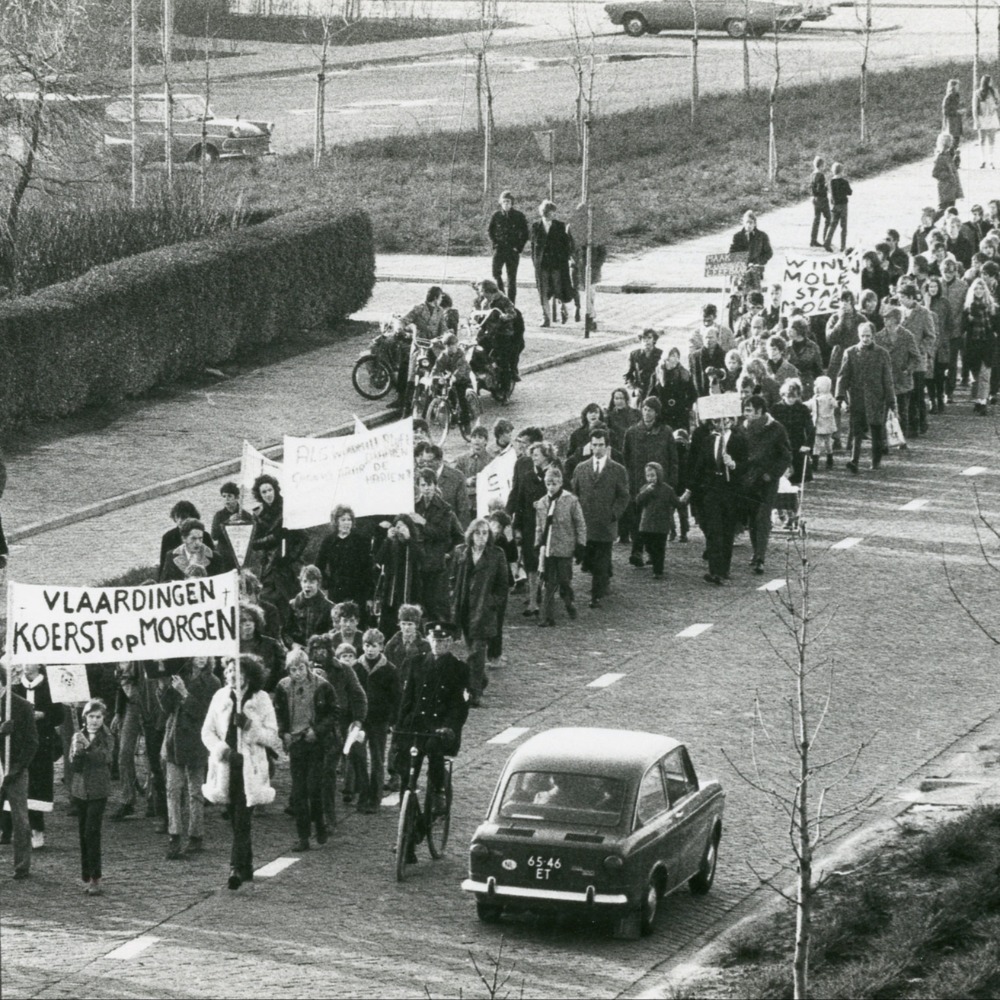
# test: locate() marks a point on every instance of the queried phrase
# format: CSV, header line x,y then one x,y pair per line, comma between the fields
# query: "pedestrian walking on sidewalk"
x,y
840,191
986,119
945,172
951,117
508,232
551,250
820,199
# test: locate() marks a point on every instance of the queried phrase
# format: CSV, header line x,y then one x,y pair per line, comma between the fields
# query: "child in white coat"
x,y
824,415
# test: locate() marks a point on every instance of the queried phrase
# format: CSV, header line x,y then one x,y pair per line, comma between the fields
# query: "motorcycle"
x,y
489,367
376,372
419,386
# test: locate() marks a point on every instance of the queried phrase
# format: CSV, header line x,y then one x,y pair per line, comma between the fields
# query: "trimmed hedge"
x,y
157,317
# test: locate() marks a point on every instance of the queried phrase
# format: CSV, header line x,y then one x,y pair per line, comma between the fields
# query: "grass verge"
x,y
919,920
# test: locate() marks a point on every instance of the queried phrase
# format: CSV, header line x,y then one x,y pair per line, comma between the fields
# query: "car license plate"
x,y
543,866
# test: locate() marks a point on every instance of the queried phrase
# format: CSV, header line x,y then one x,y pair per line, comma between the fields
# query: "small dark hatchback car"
x,y
601,820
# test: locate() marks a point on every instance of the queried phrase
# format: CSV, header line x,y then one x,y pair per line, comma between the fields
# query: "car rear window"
x,y
564,799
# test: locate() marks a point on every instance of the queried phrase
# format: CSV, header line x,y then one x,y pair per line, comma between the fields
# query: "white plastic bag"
x,y
893,432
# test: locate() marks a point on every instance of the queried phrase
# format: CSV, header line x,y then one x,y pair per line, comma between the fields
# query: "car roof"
x,y
582,750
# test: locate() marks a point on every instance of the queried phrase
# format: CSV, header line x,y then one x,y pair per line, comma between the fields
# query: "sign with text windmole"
x,y
102,624
814,284
372,473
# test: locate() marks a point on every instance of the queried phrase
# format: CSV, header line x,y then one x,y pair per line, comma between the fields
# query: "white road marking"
x,y
277,866
605,680
915,504
773,585
132,948
847,543
974,470
692,630
509,735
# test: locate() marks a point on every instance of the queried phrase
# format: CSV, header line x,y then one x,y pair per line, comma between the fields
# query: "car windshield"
x,y
186,108
563,799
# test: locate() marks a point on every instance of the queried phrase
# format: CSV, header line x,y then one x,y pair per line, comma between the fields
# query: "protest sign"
x,y
723,404
726,264
253,464
372,473
495,481
68,683
98,624
814,284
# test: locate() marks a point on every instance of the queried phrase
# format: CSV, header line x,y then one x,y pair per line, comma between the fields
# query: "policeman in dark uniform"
x,y
433,711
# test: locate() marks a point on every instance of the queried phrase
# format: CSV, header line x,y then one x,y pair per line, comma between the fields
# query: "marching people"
x,y
278,549
560,533
90,761
345,560
642,364
18,744
382,683
866,382
655,503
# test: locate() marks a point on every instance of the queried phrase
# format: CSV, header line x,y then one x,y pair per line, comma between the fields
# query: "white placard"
x,y
495,481
253,464
239,534
720,405
68,683
372,473
98,624
814,284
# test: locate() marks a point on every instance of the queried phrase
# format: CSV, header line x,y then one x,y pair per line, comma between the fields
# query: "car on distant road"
x,y
195,127
736,17
599,822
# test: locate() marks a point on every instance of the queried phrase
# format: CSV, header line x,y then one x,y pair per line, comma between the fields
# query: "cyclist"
x,y
433,711
430,320
756,245
452,361
503,329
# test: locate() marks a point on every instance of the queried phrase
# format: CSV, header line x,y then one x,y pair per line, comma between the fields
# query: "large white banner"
x,y
495,481
814,284
371,473
102,624
253,464
719,406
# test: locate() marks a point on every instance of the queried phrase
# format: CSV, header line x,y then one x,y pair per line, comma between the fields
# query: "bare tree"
x,y
746,48
582,61
694,61
772,136
866,48
785,770
327,21
479,46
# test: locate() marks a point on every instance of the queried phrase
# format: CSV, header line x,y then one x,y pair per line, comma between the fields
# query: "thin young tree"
x,y
478,44
865,50
694,61
786,769
746,49
772,101
328,28
583,62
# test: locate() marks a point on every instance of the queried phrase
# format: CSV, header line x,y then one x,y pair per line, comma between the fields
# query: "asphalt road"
x,y
534,82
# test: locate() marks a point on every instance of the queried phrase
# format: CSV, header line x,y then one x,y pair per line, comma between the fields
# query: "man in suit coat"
x,y
450,482
551,251
508,231
601,485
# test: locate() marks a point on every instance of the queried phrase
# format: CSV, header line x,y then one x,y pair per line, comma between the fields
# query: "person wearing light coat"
x,y
237,739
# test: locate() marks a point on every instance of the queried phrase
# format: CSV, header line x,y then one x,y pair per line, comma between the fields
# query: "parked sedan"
x,y
195,127
599,821
737,17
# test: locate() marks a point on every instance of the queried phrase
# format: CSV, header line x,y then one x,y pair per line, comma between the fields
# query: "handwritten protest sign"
x,y
814,284
726,264
371,473
253,464
723,404
495,481
98,624
68,683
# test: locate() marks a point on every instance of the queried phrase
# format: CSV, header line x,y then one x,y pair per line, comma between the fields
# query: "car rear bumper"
x,y
528,894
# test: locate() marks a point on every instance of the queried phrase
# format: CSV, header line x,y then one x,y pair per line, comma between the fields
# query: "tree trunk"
x,y
479,92
9,227
746,49
168,111
975,51
694,66
804,846
772,143
864,73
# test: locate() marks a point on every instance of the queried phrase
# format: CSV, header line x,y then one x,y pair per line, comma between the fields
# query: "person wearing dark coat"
x,y
181,511
709,356
278,549
398,559
551,251
310,612
230,512
194,551
479,589
23,744
90,755
528,487
508,232
753,242
253,640
642,364
383,686
804,355
440,533
866,380
184,698
345,560
673,386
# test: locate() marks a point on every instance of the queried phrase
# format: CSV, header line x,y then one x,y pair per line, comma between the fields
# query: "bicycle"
x,y
443,409
415,819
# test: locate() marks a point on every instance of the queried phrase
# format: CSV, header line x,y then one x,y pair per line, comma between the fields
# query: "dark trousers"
x,y
15,791
682,516
90,817
719,518
377,739
305,763
435,769
157,779
877,434
760,503
4,551
918,405
838,217
241,818
598,564
655,545
903,412
821,210
557,577
942,374
434,595
509,260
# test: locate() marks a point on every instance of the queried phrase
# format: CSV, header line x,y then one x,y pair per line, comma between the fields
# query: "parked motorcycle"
x,y
376,372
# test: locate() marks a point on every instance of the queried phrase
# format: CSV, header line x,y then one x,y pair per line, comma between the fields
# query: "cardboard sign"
x,y
253,464
495,481
546,144
98,624
726,264
720,405
372,473
814,284
239,534
68,683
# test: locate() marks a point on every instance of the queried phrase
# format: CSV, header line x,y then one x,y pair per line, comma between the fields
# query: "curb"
x,y
626,288
209,472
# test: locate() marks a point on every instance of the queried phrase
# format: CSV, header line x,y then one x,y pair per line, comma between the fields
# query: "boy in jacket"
x,y
560,531
383,686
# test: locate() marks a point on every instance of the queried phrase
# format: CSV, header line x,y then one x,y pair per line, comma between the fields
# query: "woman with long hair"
x,y
979,325
279,549
940,307
945,171
986,118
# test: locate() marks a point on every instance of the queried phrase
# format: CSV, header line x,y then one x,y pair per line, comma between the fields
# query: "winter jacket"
x,y
325,709
806,358
655,503
308,616
675,390
945,325
346,565
436,696
920,322
769,453
91,767
383,687
841,333
479,591
866,379
641,367
182,743
903,353
649,444
603,497
352,702
568,526
439,534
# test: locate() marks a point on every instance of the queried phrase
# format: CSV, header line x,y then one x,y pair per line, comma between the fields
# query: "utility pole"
x,y
552,164
590,319
168,111
134,80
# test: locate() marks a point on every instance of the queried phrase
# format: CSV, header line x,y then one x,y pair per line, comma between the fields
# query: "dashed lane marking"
x,y
605,680
846,543
692,630
773,585
277,866
974,470
915,504
509,735
132,948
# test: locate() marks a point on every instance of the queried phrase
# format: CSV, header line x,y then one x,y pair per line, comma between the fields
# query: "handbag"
x,y
893,432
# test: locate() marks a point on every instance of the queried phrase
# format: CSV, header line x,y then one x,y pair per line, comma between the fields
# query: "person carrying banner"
x,y
18,744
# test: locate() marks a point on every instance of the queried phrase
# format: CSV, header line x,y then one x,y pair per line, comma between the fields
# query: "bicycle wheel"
x,y
371,378
438,419
404,832
475,414
419,402
438,825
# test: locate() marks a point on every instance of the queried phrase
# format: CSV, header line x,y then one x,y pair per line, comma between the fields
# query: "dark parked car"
x,y
736,17
604,821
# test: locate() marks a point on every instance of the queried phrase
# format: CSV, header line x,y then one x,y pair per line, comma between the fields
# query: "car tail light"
x,y
613,863
479,851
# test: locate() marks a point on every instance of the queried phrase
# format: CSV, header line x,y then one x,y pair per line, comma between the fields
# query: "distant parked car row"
x,y
736,17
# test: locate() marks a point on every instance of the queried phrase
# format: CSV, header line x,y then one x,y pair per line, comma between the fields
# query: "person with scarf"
x,y
479,588
193,551
560,535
